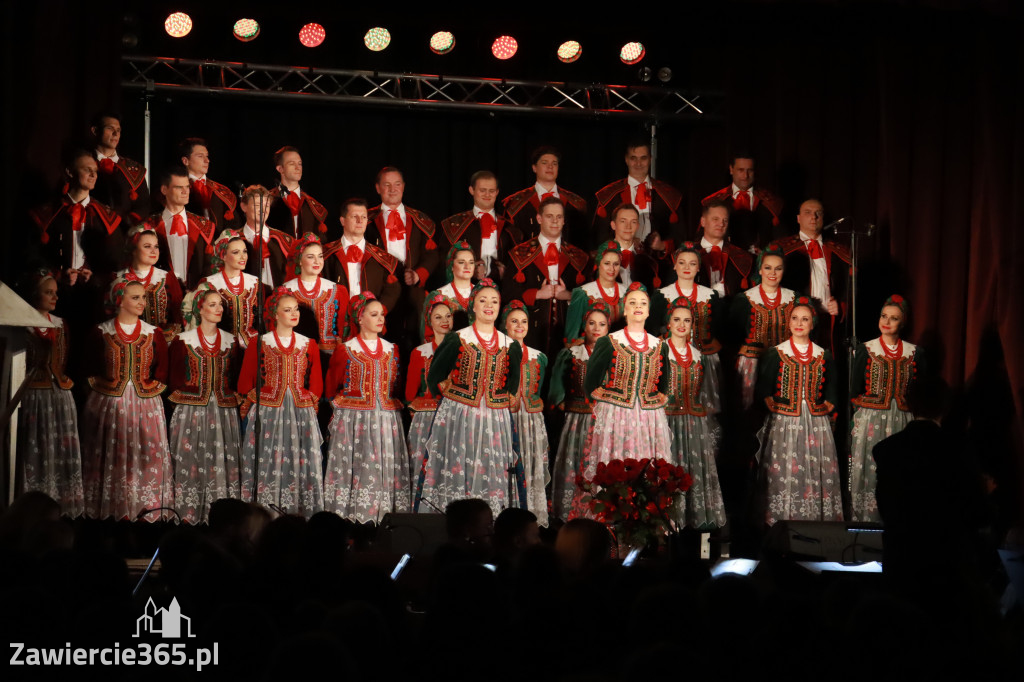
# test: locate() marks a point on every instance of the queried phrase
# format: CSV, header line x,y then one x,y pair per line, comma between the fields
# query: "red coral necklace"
x,y
639,346
894,354
805,356
489,346
683,359
281,347
375,354
770,303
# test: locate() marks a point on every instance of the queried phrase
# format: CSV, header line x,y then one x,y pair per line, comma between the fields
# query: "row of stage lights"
x,y
179,25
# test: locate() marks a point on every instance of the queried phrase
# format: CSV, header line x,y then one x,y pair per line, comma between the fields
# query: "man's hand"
x,y
832,307
480,272
411,277
561,293
545,292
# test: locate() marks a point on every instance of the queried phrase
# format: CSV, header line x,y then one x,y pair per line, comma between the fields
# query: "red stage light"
x,y
569,51
178,25
246,29
442,42
504,47
312,35
632,53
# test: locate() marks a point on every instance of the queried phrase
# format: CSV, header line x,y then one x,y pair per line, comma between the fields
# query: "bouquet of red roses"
x,y
638,498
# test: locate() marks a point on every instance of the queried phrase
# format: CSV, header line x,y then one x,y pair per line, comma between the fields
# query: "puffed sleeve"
x,y
597,366
559,372
767,374
316,374
337,371
445,357
414,377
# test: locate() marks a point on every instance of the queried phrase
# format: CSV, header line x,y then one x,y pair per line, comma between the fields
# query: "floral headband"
x,y
450,260
298,246
513,305
193,302
220,248
805,302
426,331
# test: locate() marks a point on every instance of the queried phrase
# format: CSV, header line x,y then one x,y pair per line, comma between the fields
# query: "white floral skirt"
x,y
533,447
695,442
206,446
49,452
368,469
711,387
870,427
416,441
567,462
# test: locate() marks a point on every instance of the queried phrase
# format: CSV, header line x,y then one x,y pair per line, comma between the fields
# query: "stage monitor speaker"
x,y
416,534
825,541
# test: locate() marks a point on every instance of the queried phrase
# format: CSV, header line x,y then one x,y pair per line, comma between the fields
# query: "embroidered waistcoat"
x,y
684,387
479,376
887,379
124,363
206,373
799,382
47,357
285,371
369,382
768,326
633,375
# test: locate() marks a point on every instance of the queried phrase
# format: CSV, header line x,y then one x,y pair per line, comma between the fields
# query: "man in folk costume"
x,y
637,263
357,264
186,239
294,210
523,207
542,274
208,198
276,246
121,183
656,202
755,210
725,267
489,233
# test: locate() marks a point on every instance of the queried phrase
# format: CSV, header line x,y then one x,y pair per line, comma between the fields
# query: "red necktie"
x,y
486,225
547,195
395,227
354,254
77,212
294,202
203,192
814,249
716,258
178,226
643,196
742,201
627,259
106,166
551,255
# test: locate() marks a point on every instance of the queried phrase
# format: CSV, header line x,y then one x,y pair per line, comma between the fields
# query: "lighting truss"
x,y
165,74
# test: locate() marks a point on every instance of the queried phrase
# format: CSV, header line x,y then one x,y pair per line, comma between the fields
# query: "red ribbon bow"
x,y
395,227
643,196
354,255
814,249
716,259
551,255
178,226
627,258
487,225
203,192
77,212
294,203
106,166
742,201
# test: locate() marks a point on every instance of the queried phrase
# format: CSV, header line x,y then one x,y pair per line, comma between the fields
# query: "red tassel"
x,y
229,215
134,195
322,228
392,279
673,218
657,282
45,238
775,221
520,277
601,211
209,249
579,278
431,245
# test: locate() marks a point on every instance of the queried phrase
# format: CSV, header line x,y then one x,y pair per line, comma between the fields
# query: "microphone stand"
x,y
257,317
149,567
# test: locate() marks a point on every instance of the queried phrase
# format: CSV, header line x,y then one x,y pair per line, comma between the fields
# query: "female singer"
x,y
239,289
528,412
567,377
163,292
368,469
888,365
422,403
461,265
125,458
705,305
799,467
324,303
761,315
694,439
626,380
469,452
49,452
606,287
288,472
206,443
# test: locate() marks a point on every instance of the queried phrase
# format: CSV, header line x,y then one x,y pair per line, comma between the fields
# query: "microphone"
x,y
832,226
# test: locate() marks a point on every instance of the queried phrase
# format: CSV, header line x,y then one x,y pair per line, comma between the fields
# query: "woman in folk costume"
x,y
281,460
49,451
627,382
469,452
369,473
437,323
324,304
528,411
708,313
888,365
239,289
459,269
125,459
567,376
799,466
163,292
694,435
606,286
205,439
761,317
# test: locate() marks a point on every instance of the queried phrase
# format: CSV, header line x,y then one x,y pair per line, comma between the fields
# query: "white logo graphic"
x,y
165,622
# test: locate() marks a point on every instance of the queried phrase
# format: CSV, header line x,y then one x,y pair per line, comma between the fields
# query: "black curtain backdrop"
x,y
907,115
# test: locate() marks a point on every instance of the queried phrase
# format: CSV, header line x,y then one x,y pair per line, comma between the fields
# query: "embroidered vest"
x,y
283,372
241,308
528,394
123,363
369,382
324,307
632,376
886,379
798,382
575,397
424,400
480,376
47,357
206,374
768,326
684,388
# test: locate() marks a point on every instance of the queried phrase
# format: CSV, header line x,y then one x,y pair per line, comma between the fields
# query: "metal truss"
x,y
164,74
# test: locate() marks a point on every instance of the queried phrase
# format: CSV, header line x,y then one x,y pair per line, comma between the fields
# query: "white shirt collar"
x,y
636,183
361,243
477,212
84,202
196,178
808,238
736,190
544,241
539,189
706,245
250,233
168,216
113,157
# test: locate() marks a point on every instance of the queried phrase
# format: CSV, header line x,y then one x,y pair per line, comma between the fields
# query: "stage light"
x,y
504,47
246,29
632,53
377,38
178,25
312,35
569,51
442,42
664,74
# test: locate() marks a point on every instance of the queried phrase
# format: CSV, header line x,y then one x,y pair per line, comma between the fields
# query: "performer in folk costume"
x,y
49,452
459,269
528,411
606,286
887,364
567,376
163,292
761,316
799,465
437,323
694,433
469,453
289,471
708,313
206,442
369,473
125,460
324,304
626,380
239,289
